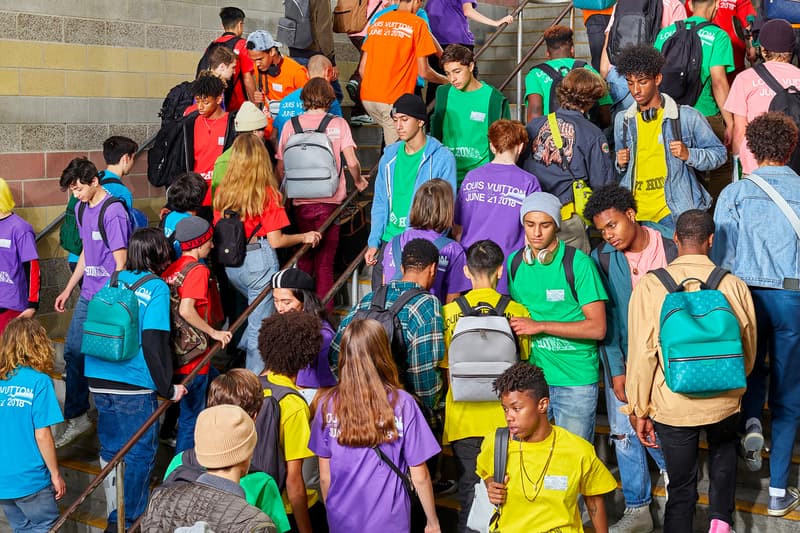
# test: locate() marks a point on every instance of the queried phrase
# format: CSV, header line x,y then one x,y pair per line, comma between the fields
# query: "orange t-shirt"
x,y
589,12
292,76
394,42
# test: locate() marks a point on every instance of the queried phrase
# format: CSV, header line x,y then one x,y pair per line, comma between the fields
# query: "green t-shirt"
x,y
717,52
260,490
537,82
466,126
543,290
406,167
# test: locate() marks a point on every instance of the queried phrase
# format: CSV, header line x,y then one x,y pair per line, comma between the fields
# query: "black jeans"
x,y
596,34
466,453
680,447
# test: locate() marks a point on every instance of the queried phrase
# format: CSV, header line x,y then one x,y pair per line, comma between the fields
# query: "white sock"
x,y
777,493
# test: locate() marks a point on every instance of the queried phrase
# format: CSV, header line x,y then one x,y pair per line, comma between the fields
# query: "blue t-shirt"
x,y
170,223
292,105
153,299
118,190
27,402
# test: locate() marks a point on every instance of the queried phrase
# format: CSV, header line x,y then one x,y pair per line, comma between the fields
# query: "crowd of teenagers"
x,y
637,240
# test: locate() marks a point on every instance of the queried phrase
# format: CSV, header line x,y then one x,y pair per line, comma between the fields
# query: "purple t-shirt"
x,y
450,276
99,257
17,246
318,373
365,494
448,22
487,207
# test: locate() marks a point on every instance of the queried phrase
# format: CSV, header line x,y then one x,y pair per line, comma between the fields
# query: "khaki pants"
x,y
382,115
719,178
573,232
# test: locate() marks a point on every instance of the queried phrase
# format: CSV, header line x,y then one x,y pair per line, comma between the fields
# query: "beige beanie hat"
x,y
224,436
249,118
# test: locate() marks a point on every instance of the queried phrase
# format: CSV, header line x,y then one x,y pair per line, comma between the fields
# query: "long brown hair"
x,y
249,183
367,375
25,343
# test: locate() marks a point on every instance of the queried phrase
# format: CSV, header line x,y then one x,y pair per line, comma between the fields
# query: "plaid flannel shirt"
x,y
423,332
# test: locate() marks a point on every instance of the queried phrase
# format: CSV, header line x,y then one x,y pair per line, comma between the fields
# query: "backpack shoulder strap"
x,y
110,200
324,123
705,24
189,267
552,73
296,125
676,125
114,281
502,304
515,264
569,269
463,304
379,298
680,25
403,299
501,438
81,211
666,280
779,200
764,73
142,281
279,392
715,278
555,133
579,63
441,241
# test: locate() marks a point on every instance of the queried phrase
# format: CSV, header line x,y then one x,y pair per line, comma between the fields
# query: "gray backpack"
x,y
483,346
294,27
309,162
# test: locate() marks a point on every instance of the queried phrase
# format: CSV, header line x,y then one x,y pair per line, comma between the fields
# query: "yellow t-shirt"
x,y
651,169
574,469
475,419
295,430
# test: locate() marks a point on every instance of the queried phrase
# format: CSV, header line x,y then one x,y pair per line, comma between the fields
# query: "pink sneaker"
x,y
719,526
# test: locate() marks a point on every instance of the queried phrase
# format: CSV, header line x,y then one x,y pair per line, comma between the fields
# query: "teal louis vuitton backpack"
x,y
700,339
111,330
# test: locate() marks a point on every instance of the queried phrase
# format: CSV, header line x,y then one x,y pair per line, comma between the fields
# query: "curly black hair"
x,y
694,226
289,342
771,137
640,59
609,197
419,254
207,84
523,377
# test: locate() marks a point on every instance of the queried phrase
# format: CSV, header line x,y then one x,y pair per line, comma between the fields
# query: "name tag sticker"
x,y
555,295
96,236
5,243
555,482
477,116
277,86
221,141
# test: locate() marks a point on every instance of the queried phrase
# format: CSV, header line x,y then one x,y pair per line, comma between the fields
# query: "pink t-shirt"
x,y
673,11
648,259
749,97
338,131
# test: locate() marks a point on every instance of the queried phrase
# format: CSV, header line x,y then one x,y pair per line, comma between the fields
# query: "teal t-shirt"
x,y
543,290
717,52
406,167
465,128
537,82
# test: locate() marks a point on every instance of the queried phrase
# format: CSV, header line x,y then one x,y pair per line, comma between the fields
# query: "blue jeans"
x,y
573,408
778,335
250,279
190,405
32,514
631,455
118,418
77,395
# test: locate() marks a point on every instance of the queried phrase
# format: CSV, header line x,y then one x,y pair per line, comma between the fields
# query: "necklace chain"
x,y
537,485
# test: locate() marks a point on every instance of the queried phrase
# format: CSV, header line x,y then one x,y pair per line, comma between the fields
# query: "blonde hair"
x,y
433,206
25,343
249,184
6,198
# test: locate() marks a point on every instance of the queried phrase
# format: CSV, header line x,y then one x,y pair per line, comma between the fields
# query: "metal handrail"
x,y
210,352
53,224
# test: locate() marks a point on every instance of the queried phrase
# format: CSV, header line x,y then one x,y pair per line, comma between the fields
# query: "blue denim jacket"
x,y
706,152
437,162
753,238
617,281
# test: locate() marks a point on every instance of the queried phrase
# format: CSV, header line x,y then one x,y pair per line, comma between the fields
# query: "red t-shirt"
x,y
726,10
209,142
195,286
272,218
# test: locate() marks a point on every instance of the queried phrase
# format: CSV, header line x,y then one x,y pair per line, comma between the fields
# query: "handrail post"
x,y
519,59
120,481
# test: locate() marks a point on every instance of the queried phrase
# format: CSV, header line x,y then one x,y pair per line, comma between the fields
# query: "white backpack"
x,y
483,346
309,162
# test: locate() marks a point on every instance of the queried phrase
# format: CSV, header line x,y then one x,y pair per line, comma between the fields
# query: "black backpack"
x,y
230,241
635,22
178,99
108,201
205,64
294,27
683,53
557,75
387,316
787,101
268,454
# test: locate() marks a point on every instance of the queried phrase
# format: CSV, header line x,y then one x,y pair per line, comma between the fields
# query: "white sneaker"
x,y
635,520
76,428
